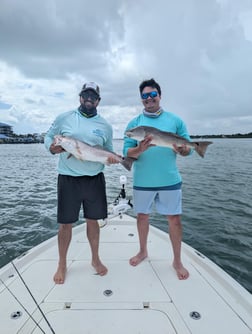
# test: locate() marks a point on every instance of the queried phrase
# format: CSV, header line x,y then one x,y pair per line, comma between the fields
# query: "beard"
x,y
88,111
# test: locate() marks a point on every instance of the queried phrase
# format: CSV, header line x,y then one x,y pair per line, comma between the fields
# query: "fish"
x,y
85,152
166,139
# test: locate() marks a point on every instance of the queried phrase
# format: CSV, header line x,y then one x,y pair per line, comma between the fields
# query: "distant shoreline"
x,y
237,135
232,136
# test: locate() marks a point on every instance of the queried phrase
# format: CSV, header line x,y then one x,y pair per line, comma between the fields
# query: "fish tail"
x,y
201,147
128,162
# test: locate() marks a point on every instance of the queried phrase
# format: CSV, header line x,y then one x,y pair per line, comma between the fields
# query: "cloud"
x,y
53,38
199,51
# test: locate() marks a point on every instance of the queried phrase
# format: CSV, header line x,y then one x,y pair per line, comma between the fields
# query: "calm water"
x,y
217,201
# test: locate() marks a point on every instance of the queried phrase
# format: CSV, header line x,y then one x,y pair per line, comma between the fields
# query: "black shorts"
x,y
88,191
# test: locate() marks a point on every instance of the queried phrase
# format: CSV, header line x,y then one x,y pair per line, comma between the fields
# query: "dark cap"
x,y
91,86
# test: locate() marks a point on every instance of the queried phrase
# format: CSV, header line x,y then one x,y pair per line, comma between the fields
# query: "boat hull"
x,y
147,298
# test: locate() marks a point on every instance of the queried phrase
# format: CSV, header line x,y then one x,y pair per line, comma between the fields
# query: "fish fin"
x,y
127,162
71,155
78,147
201,147
100,147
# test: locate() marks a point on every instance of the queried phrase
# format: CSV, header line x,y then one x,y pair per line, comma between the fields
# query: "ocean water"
x,y
217,201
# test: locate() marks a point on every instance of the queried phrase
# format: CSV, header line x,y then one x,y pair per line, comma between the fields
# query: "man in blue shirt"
x,y
81,183
156,178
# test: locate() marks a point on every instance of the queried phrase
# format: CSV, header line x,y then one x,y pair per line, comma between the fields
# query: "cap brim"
x,y
89,88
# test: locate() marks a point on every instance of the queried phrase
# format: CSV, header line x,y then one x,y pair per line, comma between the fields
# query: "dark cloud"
x,y
53,38
199,51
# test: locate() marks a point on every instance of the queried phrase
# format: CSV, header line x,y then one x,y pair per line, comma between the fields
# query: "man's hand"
x,y
113,159
145,143
56,149
182,150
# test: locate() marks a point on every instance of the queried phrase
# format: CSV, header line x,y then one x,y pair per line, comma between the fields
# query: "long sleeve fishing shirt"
x,y
93,131
156,167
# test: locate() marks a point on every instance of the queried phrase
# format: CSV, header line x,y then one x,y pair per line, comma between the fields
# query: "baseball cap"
x,y
91,85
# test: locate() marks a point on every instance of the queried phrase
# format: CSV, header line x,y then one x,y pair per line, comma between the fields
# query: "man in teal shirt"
x,y
156,178
81,183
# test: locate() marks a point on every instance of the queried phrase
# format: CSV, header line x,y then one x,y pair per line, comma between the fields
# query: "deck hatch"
x,y
16,315
107,293
195,315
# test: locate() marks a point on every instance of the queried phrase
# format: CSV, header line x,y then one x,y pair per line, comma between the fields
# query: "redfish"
x,y
83,151
166,139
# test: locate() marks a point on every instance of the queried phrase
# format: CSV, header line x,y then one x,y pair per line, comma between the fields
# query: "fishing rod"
x,y
27,288
25,309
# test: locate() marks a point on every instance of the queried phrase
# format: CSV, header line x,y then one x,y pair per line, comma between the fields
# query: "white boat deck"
x,y
146,299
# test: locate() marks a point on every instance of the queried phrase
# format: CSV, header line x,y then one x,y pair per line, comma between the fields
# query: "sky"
x,y
199,51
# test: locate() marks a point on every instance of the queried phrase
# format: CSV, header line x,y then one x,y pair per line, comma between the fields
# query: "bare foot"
x,y
59,276
181,271
100,268
135,260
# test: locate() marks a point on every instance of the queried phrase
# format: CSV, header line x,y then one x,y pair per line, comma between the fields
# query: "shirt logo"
x,y
98,133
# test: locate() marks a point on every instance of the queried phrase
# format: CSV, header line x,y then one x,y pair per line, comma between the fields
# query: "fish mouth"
x,y
128,134
57,140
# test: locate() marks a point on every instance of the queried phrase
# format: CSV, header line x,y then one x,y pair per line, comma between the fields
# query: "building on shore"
x,y
7,136
6,130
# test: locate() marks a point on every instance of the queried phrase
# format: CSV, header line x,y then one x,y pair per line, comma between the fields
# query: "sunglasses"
x,y
89,95
145,96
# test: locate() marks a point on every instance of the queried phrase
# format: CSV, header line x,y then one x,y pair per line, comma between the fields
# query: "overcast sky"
x,y
200,52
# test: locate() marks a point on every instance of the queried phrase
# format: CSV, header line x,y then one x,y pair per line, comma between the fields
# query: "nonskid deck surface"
x,y
147,298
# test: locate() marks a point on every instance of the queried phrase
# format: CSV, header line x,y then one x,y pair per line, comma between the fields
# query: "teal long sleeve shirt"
x,y
93,131
156,167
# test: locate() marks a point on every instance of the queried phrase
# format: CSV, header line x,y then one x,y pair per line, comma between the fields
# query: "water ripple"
x,y
217,206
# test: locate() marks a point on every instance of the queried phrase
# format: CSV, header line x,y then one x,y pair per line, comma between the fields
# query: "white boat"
x,y
146,299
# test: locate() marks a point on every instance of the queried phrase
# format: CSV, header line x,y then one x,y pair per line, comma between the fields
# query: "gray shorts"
x,y
86,191
166,202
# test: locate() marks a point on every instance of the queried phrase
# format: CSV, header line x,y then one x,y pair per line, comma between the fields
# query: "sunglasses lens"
x,y
151,94
89,95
